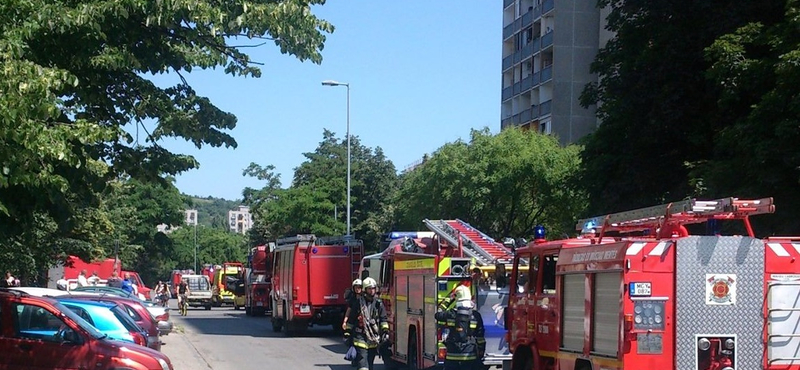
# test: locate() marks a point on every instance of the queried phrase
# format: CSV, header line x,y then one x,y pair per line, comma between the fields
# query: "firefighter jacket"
x,y
367,322
465,339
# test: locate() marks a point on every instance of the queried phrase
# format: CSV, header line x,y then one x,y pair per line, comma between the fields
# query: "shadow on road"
x,y
335,367
336,348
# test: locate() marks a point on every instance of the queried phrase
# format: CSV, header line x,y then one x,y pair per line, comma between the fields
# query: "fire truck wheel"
x,y
248,311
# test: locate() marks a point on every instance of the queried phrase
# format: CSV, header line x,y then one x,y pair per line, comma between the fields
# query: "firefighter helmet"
x,y
369,283
357,282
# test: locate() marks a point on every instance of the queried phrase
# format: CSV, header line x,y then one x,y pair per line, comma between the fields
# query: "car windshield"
x,y
198,284
79,320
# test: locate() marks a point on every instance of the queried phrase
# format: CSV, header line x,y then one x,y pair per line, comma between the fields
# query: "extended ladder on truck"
x,y
472,241
663,218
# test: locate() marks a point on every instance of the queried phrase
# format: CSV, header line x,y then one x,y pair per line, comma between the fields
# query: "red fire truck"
x,y
418,271
637,291
73,266
258,281
310,276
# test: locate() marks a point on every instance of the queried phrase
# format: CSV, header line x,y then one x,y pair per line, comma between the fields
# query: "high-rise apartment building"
x,y
190,217
548,46
240,220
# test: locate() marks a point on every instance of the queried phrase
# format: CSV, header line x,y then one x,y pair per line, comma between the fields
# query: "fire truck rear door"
x,y
415,280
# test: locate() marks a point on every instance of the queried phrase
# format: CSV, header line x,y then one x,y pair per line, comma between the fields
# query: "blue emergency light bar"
x,y
402,234
410,234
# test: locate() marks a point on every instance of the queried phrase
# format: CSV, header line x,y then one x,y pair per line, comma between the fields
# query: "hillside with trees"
x,y
212,212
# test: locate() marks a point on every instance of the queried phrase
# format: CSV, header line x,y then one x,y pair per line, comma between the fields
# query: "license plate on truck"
x,y
305,308
640,289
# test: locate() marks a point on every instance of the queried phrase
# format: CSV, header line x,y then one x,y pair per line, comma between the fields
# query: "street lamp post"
x,y
195,247
337,83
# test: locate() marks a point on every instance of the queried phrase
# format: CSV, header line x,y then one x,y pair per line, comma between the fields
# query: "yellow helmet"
x,y
369,283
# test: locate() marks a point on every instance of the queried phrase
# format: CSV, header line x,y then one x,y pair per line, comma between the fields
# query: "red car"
x,y
41,333
136,310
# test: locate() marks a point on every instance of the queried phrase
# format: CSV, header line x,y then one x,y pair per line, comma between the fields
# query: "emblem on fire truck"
x,y
720,289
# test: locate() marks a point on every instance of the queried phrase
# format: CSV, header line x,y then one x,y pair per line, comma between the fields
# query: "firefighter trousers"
x,y
365,359
462,365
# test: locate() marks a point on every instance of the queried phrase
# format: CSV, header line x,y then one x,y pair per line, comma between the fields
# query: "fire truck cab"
x,y
637,291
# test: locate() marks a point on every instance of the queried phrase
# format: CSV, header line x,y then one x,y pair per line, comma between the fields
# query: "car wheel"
x,y
208,307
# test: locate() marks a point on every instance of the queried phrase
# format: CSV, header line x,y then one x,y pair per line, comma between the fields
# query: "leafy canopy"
x,y
73,83
503,184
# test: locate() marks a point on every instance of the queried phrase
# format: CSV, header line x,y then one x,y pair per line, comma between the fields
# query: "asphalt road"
x,y
226,339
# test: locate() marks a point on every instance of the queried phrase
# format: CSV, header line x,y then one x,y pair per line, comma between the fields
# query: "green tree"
x,y
757,68
214,246
319,191
135,208
659,110
502,184
74,77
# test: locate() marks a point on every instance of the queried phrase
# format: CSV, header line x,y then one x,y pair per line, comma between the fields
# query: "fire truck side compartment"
x,y
697,314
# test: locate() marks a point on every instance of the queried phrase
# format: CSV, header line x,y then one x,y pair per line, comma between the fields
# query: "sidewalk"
x,y
181,352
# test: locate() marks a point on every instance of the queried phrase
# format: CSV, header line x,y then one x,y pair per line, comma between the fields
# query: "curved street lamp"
x,y
337,83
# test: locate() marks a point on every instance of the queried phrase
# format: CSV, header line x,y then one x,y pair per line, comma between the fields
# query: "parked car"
x,y
136,311
58,338
108,318
161,314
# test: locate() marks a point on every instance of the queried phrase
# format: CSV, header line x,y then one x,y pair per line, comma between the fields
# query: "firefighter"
x,y
465,343
351,295
367,325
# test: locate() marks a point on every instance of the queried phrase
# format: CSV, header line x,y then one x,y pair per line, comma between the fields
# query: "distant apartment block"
x,y
548,47
190,217
240,220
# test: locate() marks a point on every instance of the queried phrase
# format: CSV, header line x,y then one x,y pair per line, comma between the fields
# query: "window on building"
x,y
544,127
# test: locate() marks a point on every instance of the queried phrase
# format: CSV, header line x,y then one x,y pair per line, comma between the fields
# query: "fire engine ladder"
x,y
684,212
484,254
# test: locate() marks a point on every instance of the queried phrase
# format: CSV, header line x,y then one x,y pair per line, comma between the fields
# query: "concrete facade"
x,y
548,47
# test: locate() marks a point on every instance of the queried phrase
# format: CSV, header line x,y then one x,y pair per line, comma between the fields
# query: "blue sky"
x,y
422,73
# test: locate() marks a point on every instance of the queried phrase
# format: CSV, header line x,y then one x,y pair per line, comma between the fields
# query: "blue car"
x,y
108,318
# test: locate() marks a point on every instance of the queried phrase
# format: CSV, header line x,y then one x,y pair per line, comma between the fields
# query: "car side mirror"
x,y
366,263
